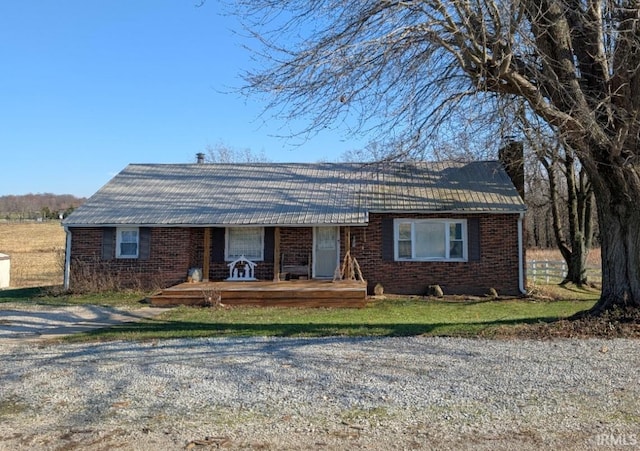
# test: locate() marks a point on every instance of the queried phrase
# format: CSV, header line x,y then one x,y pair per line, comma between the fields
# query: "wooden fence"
x,y
554,271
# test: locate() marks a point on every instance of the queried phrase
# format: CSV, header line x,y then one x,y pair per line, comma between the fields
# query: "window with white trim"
x,y
127,242
247,241
430,239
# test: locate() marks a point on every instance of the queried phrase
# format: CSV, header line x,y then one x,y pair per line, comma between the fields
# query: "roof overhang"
x,y
450,212
196,226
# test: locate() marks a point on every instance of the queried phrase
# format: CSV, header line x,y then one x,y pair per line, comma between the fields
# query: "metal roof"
x,y
293,193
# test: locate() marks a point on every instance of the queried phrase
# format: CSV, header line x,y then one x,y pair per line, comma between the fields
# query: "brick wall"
x,y
169,260
497,267
296,245
175,250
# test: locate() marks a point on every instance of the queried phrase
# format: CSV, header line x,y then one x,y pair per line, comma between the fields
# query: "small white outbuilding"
x,y
5,270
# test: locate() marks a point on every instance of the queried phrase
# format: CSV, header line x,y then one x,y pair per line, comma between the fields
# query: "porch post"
x,y
347,244
207,254
276,255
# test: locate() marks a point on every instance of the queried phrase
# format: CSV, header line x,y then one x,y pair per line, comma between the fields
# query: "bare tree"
x,y
372,152
221,153
570,197
407,67
538,217
458,146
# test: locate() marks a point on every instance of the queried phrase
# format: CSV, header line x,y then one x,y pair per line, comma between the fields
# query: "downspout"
x,y
521,266
67,258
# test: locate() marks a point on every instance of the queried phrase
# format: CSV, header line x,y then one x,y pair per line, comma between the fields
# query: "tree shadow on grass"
x,y
56,296
23,294
160,329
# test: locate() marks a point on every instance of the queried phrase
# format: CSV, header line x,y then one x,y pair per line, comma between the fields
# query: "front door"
x,y
325,251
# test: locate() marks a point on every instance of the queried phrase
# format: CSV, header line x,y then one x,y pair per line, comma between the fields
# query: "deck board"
x,y
295,293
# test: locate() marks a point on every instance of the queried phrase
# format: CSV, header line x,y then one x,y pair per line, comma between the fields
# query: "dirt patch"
x,y
618,323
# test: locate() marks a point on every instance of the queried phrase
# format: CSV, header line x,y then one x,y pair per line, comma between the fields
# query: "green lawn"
x,y
53,296
384,318
393,317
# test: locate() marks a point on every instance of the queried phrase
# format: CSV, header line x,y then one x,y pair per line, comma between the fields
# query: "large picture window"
x,y
247,241
430,239
127,242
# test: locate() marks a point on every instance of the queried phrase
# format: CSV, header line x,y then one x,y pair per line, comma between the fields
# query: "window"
x,y
247,241
430,239
127,243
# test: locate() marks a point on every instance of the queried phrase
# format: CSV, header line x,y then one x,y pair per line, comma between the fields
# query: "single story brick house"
x,y
408,225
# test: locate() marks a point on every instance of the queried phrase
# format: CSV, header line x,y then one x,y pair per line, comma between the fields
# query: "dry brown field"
x,y
554,255
36,250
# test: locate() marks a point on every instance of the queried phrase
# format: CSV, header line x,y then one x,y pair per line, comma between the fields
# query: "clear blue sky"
x,y
87,87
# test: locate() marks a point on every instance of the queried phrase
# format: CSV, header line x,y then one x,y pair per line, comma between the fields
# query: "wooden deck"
x,y
293,293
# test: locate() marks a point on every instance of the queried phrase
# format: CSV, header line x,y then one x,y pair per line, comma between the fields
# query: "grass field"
x,y
399,317
36,250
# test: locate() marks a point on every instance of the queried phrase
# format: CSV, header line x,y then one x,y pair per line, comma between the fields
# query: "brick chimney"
x,y
511,156
200,158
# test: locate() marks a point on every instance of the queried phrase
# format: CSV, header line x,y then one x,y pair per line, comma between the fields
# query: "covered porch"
x,y
291,293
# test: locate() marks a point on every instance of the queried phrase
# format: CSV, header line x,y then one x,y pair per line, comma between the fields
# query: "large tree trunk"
x,y
617,193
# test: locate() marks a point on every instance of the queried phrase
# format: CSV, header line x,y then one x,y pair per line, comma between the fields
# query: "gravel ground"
x,y
20,322
321,393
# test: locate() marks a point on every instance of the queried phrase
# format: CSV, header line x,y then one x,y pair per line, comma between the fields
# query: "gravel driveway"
x,y
321,393
20,322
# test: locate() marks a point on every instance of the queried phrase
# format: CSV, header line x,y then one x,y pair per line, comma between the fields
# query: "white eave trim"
x,y
67,258
521,262
450,212
320,224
